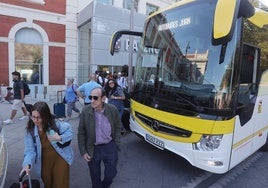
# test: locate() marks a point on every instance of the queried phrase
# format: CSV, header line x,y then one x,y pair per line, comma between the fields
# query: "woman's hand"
x,y
26,168
54,137
113,97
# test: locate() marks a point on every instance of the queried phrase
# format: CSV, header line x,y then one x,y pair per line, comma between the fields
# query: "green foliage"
x,y
258,37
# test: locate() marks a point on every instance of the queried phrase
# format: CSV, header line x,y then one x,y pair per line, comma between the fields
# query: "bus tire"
x,y
265,146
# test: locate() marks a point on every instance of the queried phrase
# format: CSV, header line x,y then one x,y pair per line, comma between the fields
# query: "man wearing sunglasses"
x,y
98,135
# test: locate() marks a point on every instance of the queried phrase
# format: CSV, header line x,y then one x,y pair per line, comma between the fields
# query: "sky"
x,y
265,2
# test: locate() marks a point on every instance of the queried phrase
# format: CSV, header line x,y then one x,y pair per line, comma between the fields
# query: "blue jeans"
x,y
71,106
106,153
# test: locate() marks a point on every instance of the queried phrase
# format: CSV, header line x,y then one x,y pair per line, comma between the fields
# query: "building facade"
x,y
96,23
48,41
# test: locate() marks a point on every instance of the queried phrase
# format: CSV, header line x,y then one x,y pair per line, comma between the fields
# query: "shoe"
x,y
23,118
8,121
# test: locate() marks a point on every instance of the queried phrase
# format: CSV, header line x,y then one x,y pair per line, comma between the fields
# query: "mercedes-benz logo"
x,y
155,125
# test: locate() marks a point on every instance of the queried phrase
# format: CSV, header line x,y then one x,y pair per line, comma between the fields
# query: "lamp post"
x,y
130,48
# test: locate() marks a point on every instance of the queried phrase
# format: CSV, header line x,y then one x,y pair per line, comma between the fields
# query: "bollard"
x,y
35,91
45,91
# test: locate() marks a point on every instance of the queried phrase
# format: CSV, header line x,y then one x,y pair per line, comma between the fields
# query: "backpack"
x,y
26,88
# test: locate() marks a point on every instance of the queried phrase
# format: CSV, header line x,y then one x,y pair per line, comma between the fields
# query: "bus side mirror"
x,y
223,26
117,35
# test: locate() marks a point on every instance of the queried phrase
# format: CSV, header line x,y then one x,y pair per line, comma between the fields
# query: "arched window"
x,y
29,55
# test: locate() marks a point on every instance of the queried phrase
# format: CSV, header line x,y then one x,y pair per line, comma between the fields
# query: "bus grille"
x,y
162,127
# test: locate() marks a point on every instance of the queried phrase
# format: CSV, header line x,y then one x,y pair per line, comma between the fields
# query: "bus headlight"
x,y
208,143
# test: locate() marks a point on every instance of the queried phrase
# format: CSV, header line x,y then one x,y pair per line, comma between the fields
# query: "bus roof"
x,y
177,4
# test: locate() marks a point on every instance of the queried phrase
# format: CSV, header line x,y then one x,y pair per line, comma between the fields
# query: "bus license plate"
x,y
158,143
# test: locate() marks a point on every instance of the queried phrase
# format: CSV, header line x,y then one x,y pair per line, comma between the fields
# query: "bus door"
x,y
245,124
261,108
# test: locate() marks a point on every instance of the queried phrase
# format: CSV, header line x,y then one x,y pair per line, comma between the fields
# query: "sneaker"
x,y
8,121
23,117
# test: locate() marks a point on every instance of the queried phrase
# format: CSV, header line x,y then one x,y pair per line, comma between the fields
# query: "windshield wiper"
x,y
196,107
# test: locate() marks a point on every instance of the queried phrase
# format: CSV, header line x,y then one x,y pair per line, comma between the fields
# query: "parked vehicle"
x,y
3,156
200,83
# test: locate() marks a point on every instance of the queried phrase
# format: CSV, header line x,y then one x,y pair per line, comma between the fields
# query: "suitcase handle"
x,y
29,179
22,175
59,96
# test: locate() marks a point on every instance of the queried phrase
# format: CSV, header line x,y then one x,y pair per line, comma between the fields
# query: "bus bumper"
x,y
216,161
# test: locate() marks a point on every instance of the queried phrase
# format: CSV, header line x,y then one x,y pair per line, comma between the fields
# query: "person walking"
x,y
116,96
85,89
18,102
98,138
47,146
9,96
71,98
122,80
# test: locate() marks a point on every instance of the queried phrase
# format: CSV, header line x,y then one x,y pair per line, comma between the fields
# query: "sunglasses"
x,y
93,97
35,118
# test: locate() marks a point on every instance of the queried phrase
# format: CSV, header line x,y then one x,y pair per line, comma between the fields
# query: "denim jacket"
x,y
33,151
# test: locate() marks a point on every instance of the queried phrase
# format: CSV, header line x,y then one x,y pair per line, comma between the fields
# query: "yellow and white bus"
x,y
201,81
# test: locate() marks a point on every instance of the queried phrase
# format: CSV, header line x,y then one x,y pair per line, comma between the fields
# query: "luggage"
x,y
59,107
27,183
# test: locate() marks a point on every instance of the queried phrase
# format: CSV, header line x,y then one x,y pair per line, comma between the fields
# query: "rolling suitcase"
x,y
27,183
59,107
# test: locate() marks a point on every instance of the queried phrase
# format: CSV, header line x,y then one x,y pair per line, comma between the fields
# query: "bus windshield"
x,y
178,69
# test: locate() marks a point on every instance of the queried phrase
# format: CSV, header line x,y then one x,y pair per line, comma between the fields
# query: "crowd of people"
x,y
47,139
120,77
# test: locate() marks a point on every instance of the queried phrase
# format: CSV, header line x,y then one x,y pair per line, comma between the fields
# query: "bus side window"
x,y
244,94
247,87
247,66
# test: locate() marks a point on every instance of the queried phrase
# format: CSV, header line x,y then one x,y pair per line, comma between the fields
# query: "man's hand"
x,y
87,157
